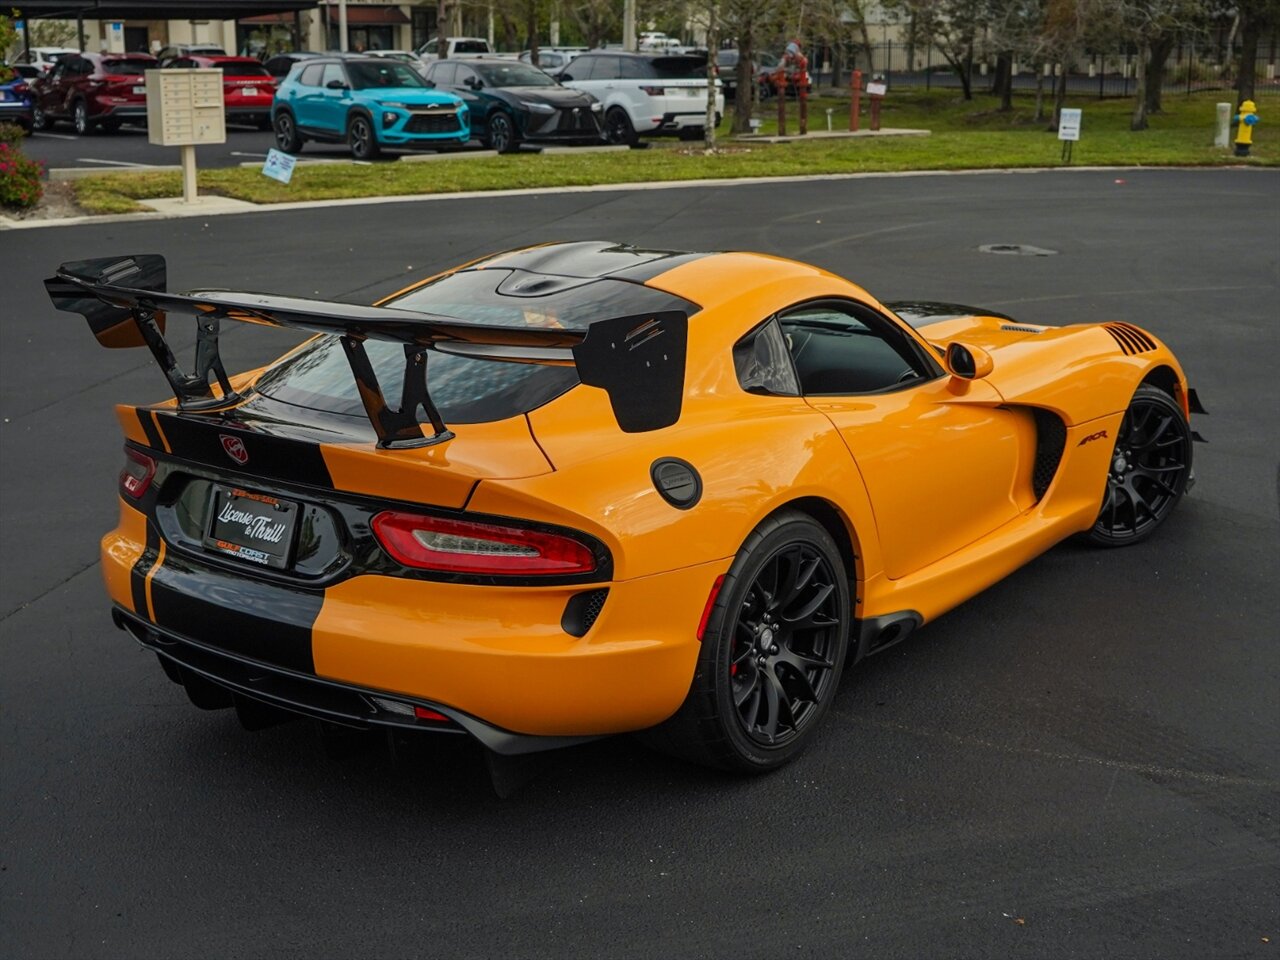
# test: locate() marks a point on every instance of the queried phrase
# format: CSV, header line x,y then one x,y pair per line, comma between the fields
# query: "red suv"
x,y
247,87
94,90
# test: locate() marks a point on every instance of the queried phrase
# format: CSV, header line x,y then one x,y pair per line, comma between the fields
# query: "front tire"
x,y
39,119
361,138
772,652
502,133
287,138
1150,467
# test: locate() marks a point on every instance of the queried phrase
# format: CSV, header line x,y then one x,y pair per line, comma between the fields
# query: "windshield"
x,y
514,74
368,75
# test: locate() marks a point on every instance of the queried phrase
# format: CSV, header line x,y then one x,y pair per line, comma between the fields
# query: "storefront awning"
x,y
153,9
364,15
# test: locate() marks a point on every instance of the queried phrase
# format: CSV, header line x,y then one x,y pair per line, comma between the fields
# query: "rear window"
x,y
368,75
471,46
467,390
126,67
679,68
243,69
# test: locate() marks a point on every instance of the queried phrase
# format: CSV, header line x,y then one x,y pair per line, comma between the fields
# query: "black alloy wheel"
x,y
287,138
772,653
502,132
80,117
617,127
1150,467
361,139
39,119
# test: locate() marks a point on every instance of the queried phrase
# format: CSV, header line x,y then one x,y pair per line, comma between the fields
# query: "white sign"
x,y
1069,124
877,89
115,36
279,165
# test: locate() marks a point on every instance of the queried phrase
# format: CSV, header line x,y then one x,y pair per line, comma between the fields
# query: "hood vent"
x,y
1018,328
1131,339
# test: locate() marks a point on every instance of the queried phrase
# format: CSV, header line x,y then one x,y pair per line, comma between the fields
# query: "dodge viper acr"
x,y
582,489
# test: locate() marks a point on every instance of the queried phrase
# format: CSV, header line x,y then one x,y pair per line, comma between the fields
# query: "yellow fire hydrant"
x,y
1247,119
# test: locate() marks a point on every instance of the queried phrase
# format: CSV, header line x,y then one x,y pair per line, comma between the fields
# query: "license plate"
x,y
249,91
694,92
4,94
140,91
253,527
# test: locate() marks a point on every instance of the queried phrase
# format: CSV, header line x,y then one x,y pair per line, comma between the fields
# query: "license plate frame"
x,y
248,91
253,527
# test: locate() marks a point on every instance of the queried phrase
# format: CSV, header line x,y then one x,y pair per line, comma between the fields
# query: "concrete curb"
x,y
211,206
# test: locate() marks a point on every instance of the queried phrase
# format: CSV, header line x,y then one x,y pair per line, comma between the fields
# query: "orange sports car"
x,y
582,488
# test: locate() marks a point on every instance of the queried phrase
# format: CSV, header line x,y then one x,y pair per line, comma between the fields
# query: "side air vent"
x,y
1131,339
1051,439
1017,328
581,612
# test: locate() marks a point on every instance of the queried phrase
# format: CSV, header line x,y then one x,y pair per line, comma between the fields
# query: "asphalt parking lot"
x,y
1083,761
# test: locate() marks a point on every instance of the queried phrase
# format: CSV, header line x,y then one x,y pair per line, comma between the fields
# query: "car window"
x,y
461,74
370,75
471,46
310,75
762,362
445,74
634,68
512,75
331,72
678,68
234,69
126,67
840,348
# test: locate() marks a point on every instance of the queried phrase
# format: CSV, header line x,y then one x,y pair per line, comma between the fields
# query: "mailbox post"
x,y
184,109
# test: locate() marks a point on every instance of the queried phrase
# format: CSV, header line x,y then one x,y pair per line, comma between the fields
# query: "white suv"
x,y
645,94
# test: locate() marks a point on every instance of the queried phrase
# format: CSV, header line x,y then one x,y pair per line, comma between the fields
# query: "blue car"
x,y
367,103
16,102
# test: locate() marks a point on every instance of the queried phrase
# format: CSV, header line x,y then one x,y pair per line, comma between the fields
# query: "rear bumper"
x,y
316,697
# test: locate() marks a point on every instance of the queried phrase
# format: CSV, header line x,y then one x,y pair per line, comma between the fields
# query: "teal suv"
x,y
366,102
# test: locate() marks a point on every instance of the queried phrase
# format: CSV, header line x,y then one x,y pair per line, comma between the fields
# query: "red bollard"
x,y
855,109
780,85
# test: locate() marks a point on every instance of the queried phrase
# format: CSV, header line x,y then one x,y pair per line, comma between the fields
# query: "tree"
x,y
750,23
599,20
1144,23
8,38
951,26
1257,17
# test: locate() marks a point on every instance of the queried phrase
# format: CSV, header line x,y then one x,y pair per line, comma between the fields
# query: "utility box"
x,y
184,107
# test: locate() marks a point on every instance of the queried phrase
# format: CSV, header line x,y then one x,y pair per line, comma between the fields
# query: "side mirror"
x,y
472,82
336,85
967,363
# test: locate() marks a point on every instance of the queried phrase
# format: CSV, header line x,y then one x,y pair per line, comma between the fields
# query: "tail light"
x,y
20,88
467,546
654,91
136,476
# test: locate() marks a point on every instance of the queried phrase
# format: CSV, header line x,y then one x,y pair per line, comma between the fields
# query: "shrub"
x,y
20,185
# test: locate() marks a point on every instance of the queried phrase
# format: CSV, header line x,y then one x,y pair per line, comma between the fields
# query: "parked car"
x,y
645,94
280,64
512,102
583,543
27,71
549,61
94,91
170,53
456,47
247,89
16,102
368,103
763,66
43,58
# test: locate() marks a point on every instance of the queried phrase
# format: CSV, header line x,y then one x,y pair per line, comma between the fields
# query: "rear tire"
x,y
1150,466
80,118
618,128
771,655
39,119
361,138
287,138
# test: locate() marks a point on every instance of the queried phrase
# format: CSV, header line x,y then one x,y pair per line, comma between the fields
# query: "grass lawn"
x,y
965,135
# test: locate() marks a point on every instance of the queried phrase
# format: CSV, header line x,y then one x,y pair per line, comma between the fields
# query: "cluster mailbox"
x,y
184,107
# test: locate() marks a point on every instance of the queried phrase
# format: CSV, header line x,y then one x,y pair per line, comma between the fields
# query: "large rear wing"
x,y
638,360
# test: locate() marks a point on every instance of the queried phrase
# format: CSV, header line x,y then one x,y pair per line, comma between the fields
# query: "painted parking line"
x,y
238,153
57,136
112,163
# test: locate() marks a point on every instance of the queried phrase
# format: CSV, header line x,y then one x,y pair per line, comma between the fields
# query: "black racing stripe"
x,y
267,456
263,621
644,272
154,440
141,567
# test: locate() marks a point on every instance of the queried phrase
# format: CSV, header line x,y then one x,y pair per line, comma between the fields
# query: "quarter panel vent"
x,y
1051,439
1131,339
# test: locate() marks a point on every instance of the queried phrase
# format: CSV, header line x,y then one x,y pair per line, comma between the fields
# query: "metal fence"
x,y
1102,74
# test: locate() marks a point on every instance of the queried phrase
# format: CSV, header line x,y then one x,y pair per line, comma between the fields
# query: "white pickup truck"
x,y
458,48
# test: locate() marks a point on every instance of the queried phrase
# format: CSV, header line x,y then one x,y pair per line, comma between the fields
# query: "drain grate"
x,y
1016,250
